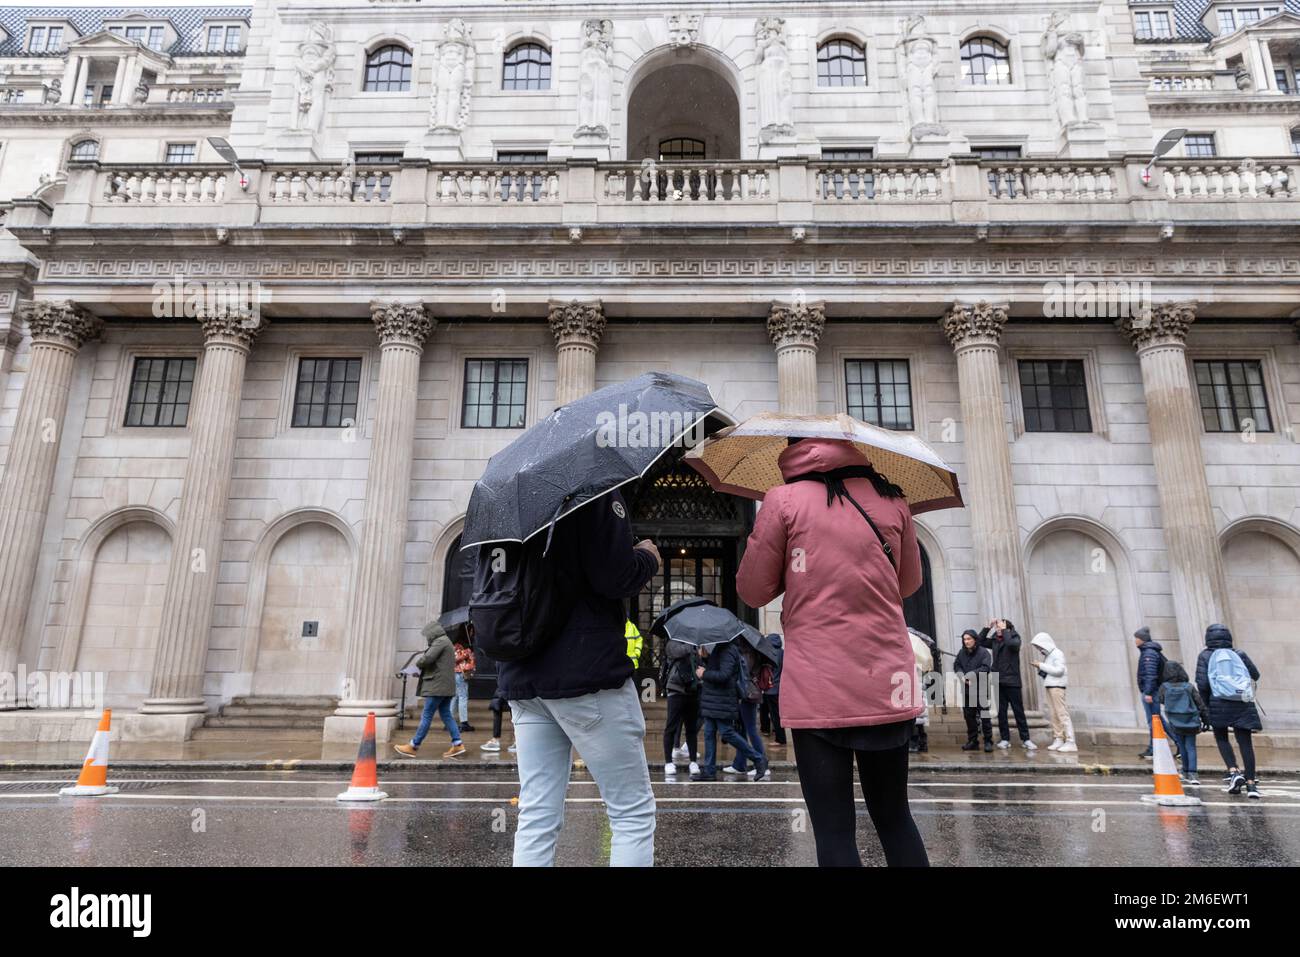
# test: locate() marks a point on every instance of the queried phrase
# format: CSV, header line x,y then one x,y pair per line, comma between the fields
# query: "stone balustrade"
x,y
1026,180
194,94
878,181
1231,179
687,182
1183,83
495,182
169,185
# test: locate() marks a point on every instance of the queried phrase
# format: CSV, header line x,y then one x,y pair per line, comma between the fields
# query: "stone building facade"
x,y
242,406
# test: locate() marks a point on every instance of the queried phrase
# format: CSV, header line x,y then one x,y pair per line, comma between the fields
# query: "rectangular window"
x,y
1200,145
160,392
1248,15
1161,25
214,39
1142,26
879,391
370,183
1054,395
495,394
38,39
1227,22
1232,396
180,153
510,185
856,185
232,39
326,394
155,38
135,33
1004,182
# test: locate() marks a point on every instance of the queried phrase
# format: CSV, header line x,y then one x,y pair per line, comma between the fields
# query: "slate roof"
x,y
1188,13
187,21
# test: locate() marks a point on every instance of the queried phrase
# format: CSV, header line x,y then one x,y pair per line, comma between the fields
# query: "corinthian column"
x,y
175,704
403,328
975,331
577,327
57,329
1195,562
795,331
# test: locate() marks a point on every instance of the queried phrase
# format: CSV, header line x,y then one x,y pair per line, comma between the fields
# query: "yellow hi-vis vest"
x,y
634,643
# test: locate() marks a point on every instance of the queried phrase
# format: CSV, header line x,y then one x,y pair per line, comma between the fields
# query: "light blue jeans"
x,y
608,730
462,697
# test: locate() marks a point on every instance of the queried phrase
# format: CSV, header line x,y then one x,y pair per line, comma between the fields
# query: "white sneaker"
x,y
491,744
1056,743
1067,747
695,767
513,748
681,754
751,773
1029,745
731,770
1004,745
670,768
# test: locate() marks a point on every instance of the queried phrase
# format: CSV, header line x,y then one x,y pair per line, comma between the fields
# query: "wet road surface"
x,y
279,818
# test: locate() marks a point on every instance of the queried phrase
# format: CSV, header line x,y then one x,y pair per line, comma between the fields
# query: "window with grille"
x,y
1232,395
849,182
180,153
1005,182
879,391
841,62
135,33
326,393
496,392
232,39
515,187
527,66
1054,395
985,61
160,391
388,70
1295,141
371,183
681,148
85,150
1199,145
155,38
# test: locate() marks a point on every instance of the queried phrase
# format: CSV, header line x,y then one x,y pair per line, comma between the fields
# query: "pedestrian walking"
x,y
1052,669
465,667
1185,715
750,696
974,663
498,705
719,701
1226,678
682,688
1001,638
769,712
1150,672
437,687
837,540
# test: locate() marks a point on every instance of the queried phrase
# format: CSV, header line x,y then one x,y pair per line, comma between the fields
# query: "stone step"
x,y
318,702
260,735
316,724
233,710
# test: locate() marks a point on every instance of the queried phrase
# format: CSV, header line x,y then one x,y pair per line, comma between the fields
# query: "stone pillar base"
x,y
442,146
1082,141
342,728
160,727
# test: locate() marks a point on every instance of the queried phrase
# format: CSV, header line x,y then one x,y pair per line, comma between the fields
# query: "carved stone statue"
x,y
52,92
595,83
775,84
683,30
140,95
920,102
453,78
314,71
1064,52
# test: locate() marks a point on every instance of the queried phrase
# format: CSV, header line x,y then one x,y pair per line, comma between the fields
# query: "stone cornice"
x,y
796,324
1212,103
977,324
1165,325
82,118
64,323
399,322
577,323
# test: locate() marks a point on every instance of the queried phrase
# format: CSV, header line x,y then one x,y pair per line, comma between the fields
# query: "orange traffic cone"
x,y
365,776
1169,789
94,771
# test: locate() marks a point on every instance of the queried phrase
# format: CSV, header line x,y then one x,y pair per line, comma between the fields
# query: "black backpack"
x,y
521,600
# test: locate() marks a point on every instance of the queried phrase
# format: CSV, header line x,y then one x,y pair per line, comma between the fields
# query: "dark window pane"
x,y
326,393
159,394
1054,395
1232,396
495,394
879,391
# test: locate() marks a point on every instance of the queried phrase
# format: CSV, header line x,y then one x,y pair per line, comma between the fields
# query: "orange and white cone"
x,y
1169,789
365,775
94,771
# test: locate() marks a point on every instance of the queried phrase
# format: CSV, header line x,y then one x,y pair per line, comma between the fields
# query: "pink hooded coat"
x,y
848,656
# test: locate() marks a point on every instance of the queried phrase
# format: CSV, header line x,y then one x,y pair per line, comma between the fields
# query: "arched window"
x,y
1295,141
681,148
985,61
527,67
85,150
841,62
388,70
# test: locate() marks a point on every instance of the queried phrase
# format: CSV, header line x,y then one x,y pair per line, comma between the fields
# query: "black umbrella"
x,y
456,618
759,642
580,452
697,621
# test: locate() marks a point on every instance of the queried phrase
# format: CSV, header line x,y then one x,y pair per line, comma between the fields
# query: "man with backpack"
x,y
569,683
682,687
718,705
1150,672
755,674
1226,680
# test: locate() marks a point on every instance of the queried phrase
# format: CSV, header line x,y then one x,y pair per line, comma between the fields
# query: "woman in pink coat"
x,y
848,688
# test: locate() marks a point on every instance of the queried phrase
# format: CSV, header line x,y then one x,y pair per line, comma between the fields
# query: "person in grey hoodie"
x,y
1053,671
437,687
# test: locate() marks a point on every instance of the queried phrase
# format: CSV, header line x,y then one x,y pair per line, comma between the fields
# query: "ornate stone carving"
x,y
920,102
65,322
775,82
404,323
453,78
233,327
577,322
683,30
1166,324
52,91
979,324
1064,51
801,324
595,78
314,77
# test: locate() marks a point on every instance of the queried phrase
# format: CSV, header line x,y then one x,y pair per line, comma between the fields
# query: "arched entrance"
x,y
683,106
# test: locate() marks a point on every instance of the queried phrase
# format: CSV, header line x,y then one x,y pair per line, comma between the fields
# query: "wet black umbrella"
x,y
456,618
759,642
582,451
697,621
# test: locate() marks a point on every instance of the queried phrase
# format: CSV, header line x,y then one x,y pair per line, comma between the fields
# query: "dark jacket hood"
x,y
1175,672
1218,636
432,632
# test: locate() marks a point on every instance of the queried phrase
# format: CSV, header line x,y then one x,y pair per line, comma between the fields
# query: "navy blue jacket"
x,y
1005,652
594,545
718,697
1148,674
1225,713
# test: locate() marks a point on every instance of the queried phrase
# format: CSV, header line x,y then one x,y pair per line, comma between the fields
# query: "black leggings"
x,y
1247,750
497,705
682,709
826,777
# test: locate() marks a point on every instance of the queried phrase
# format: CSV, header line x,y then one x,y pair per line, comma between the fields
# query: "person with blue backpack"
x,y
1185,715
719,701
1226,679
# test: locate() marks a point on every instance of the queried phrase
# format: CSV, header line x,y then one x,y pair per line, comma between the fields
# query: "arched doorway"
x,y
918,608
683,106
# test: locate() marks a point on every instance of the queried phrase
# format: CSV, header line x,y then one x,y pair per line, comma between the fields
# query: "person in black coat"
x,y
1150,672
719,704
972,662
1242,717
1002,639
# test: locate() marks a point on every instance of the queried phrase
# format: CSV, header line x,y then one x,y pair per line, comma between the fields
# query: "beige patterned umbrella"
x,y
741,459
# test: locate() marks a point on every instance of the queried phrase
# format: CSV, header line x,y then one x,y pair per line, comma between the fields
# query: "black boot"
x,y
972,744
988,745
922,742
